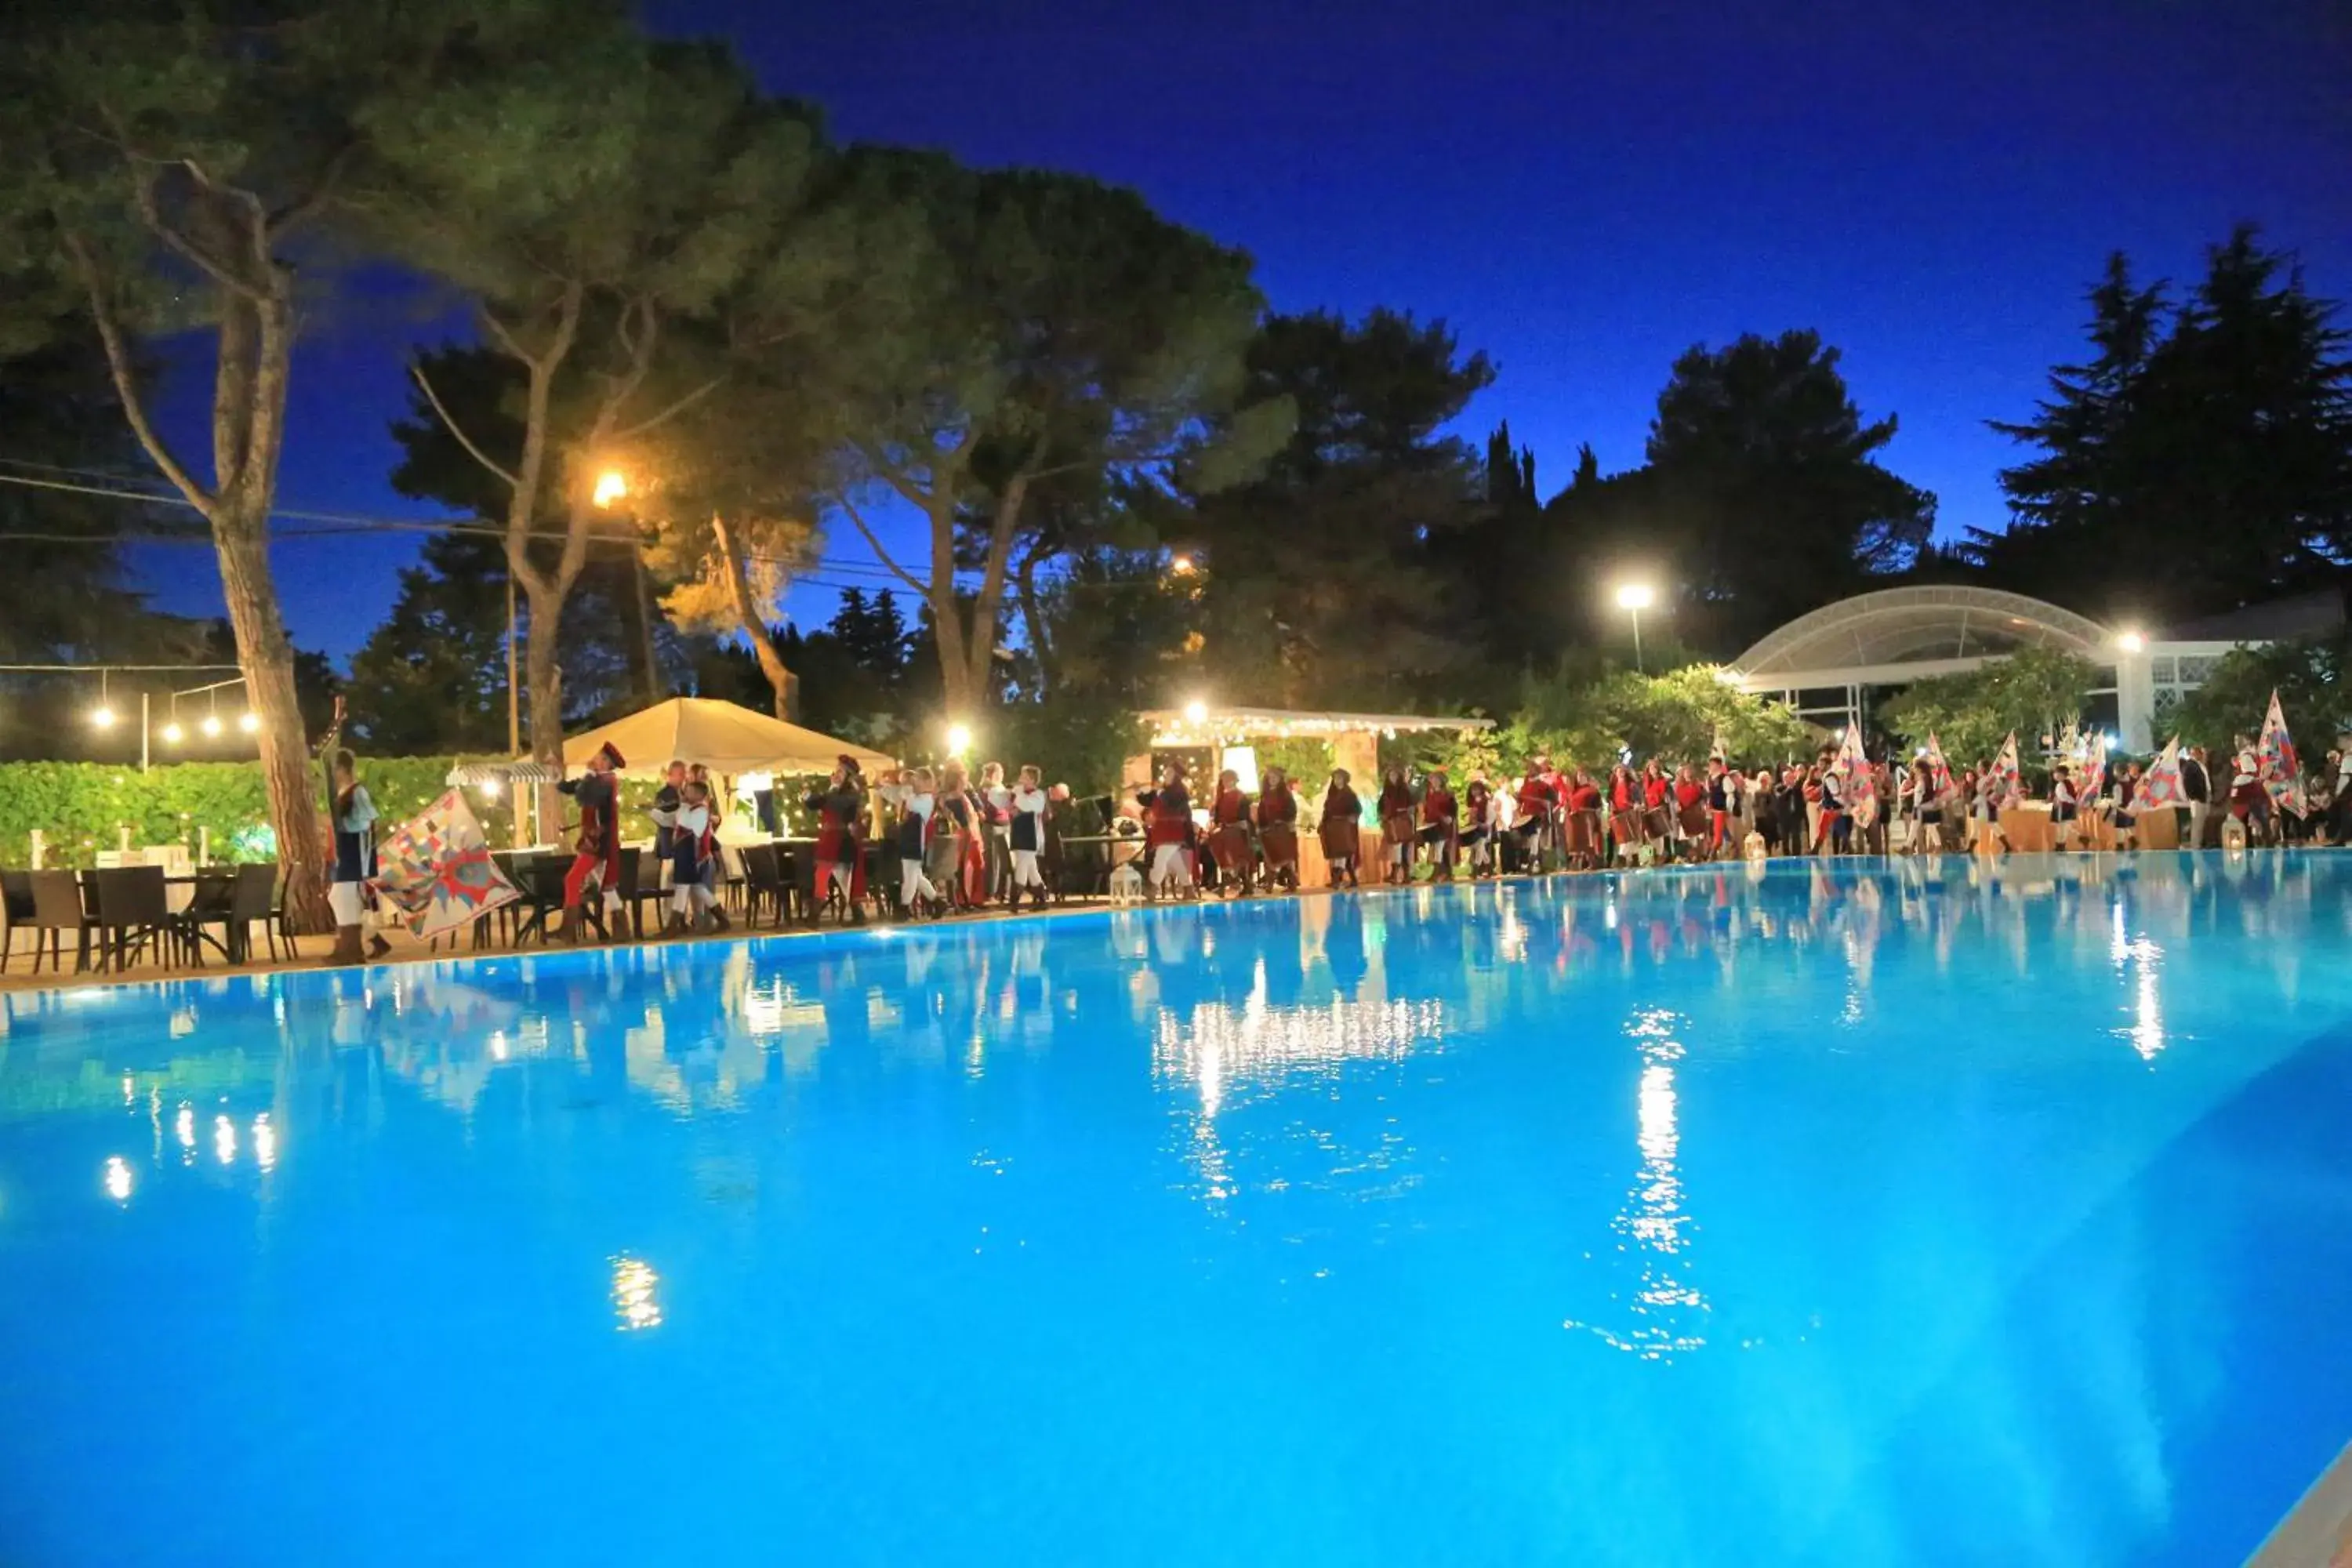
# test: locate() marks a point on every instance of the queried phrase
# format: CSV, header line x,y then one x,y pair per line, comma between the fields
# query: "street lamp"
x,y
1633,598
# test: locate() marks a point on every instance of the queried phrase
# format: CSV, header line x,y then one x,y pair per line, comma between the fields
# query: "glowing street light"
x,y
611,487
958,740
1633,598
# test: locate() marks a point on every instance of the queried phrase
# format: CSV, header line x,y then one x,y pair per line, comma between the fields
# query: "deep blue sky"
x,y
1582,190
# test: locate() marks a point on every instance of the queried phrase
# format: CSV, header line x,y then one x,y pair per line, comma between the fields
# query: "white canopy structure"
x,y
724,737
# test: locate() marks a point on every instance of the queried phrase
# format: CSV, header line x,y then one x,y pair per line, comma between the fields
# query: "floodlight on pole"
x,y
1633,598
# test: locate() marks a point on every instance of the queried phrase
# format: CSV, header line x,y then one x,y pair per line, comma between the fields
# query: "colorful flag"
x,y
1940,787
2160,786
2095,766
436,870
2010,784
2280,770
1857,788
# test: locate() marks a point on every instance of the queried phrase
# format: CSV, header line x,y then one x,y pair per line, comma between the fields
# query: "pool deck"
x,y
17,975
2318,1531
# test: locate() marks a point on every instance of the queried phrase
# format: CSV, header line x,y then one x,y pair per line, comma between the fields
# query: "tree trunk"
x,y
250,378
296,804
1041,649
544,679
751,619
637,634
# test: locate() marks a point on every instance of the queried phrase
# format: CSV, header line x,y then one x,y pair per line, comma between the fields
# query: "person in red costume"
x,y
1440,827
840,849
1167,831
1583,820
596,853
1396,826
1690,812
1340,829
1277,829
1229,837
1478,823
1533,826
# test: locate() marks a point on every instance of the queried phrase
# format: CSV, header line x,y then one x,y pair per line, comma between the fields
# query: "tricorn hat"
x,y
612,753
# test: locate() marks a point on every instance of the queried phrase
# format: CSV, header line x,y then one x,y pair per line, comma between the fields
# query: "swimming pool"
x,y
1860,1215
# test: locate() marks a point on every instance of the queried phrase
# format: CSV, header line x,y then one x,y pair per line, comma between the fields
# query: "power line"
x,y
334,524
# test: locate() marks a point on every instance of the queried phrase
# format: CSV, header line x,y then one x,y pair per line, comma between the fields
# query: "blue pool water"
x,y
1870,1214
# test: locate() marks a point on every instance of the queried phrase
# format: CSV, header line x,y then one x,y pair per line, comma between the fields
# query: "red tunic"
x,y
1170,818
1278,826
1229,815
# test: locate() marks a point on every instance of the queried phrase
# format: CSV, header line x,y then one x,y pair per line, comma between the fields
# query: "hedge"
x,y
81,807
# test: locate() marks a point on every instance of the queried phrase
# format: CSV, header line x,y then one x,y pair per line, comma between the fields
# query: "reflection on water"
x,y
1665,1314
1806,1143
636,1301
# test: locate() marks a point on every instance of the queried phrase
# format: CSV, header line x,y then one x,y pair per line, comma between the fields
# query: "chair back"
x,y
545,884
761,868
631,856
57,900
133,896
17,897
213,893
254,895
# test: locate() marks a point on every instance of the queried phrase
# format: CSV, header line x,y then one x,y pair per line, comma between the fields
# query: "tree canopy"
x,y
2201,460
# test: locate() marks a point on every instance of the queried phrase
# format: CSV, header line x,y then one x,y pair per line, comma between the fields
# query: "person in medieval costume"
x,y
1396,827
1277,829
596,852
1168,833
1440,827
995,798
1031,808
838,807
909,792
1229,835
1478,822
354,822
1340,829
694,847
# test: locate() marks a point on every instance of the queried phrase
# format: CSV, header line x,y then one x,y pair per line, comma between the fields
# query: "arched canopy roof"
x,y
1920,624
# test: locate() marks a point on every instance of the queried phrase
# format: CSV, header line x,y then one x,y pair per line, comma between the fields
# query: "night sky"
x,y
1585,191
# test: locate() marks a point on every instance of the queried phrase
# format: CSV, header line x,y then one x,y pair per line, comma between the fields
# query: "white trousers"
x,y
1024,869
348,902
913,884
1168,865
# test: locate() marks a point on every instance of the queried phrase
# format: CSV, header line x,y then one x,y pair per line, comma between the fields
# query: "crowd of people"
x,y
963,842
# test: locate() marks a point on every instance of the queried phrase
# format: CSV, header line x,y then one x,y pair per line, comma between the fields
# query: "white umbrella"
x,y
724,737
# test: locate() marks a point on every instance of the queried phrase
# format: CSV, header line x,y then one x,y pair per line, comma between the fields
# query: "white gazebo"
x,y
725,737
1820,664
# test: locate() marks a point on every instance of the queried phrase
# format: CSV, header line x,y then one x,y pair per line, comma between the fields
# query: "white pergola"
x,y
1820,664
